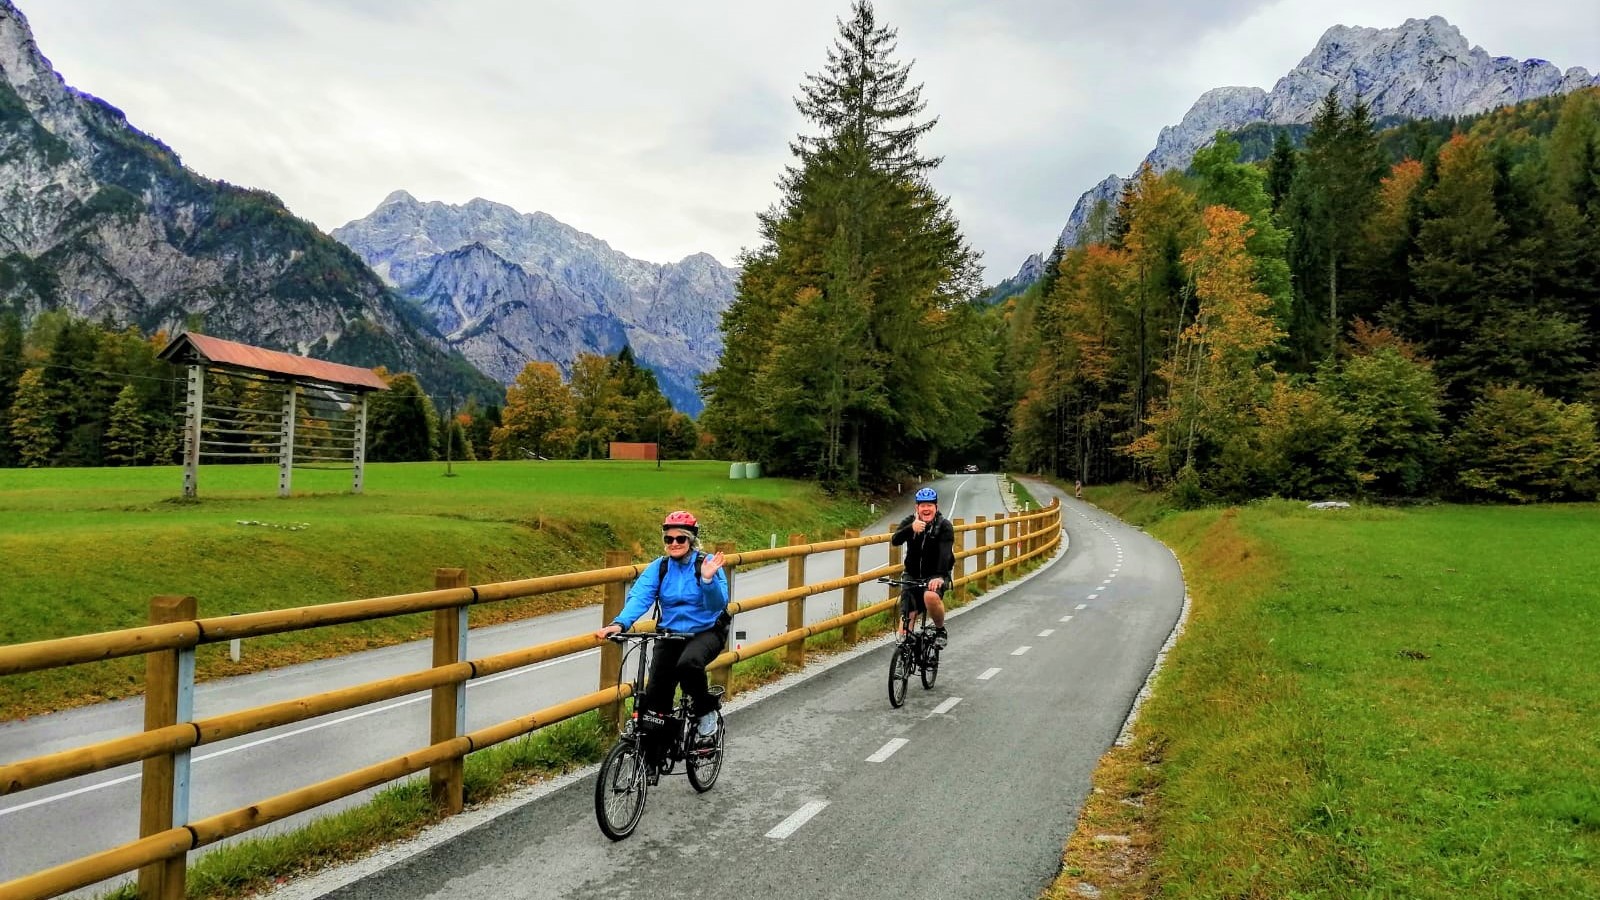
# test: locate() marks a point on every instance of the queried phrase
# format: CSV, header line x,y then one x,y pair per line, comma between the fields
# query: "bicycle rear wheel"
x,y
619,790
899,673
704,763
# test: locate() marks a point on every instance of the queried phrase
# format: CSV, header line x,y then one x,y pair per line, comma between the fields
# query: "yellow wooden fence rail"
x,y
160,854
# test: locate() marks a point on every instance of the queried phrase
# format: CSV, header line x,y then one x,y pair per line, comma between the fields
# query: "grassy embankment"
x,y
1367,702
84,550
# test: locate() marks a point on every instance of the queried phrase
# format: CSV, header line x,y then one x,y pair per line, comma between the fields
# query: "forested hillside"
x,y
1409,313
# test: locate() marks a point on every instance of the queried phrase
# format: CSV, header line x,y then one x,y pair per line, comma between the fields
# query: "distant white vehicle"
x,y
971,469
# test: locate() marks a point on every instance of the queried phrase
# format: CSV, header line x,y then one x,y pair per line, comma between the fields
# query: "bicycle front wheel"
x,y
899,674
930,664
619,790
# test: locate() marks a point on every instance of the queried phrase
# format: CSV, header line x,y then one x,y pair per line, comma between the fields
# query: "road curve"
x,y
969,790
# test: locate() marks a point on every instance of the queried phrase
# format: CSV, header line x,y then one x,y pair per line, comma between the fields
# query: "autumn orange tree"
x,y
537,417
1218,376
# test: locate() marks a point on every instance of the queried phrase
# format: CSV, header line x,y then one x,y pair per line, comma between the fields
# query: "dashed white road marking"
x,y
888,750
945,707
1092,597
988,674
1020,650
1082,606
1047,632
796,819
1066,618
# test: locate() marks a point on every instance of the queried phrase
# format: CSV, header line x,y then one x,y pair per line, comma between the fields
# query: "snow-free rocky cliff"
x,y
505,287
105,221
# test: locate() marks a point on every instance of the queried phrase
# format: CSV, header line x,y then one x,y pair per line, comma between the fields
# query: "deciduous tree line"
x,y
1333,322
606,398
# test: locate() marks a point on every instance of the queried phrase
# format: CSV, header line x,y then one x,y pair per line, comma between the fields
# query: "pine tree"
x,y
1281,168
125,431
402,422
33,424
1333,191
11,369
863,251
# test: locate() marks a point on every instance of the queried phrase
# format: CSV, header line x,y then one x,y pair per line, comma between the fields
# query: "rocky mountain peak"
x,y
1423,68
105,222
508,287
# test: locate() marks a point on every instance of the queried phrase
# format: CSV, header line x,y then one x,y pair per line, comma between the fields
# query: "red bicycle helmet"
x,y
681,519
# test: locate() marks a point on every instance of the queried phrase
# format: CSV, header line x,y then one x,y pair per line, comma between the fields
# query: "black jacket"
x,y
931,554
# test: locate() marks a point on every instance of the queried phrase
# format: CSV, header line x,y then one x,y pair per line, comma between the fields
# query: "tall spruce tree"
x,y
11,368
847,356
1334,189
1281,167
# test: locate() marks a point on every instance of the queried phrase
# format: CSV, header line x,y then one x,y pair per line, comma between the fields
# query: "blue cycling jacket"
x,y
687,604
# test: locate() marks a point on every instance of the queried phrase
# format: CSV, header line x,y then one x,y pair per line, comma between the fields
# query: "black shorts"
x,y
911,599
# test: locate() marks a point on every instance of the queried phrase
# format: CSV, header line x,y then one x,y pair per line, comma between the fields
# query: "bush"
x,y
1518,445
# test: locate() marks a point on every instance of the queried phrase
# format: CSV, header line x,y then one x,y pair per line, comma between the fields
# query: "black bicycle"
x,y
916,650
651,745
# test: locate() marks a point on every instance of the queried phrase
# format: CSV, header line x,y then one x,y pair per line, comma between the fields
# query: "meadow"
x,y
1371,702
84,550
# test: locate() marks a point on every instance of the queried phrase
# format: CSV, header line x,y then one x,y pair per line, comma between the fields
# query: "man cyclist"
x,y
930,541
692,590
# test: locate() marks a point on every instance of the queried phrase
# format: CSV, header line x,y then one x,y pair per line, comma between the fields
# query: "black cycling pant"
x,y
684,662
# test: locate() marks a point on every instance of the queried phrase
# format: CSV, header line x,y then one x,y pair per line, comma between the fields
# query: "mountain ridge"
x,y
1423,68
561,291
105,221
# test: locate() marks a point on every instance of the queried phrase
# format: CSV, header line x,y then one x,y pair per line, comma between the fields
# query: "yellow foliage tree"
x,y
538,415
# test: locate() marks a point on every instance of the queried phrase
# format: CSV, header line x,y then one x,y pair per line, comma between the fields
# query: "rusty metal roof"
x,y
191,347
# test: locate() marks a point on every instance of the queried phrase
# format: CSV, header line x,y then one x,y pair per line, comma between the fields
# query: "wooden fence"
x,y
1001,549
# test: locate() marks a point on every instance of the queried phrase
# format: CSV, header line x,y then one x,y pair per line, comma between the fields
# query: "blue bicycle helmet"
x,y
927,495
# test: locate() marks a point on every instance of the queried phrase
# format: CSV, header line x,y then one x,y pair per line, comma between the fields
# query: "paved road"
x,y
45,827
968,791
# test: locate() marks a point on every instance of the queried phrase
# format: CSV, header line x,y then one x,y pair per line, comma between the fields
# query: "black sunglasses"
x,y
675,538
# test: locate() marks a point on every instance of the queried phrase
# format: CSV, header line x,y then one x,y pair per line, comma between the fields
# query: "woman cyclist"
x,y
692,590
930,541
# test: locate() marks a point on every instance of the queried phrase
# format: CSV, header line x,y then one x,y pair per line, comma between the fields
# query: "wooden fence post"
x,y
724,675
1000,576
611,654
961,593
1013,546
852,568
894,560
162,880
983,555
445,782
796,655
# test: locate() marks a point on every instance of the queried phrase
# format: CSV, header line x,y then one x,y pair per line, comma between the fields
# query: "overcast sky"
x,y
662,127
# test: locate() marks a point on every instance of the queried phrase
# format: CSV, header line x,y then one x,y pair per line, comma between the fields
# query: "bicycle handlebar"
x,y
905,582
625,636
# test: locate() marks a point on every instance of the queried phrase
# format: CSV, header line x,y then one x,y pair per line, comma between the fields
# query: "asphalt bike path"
x,y
969,790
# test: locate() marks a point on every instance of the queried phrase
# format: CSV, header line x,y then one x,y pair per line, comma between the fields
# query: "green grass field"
x,y
1369,703
84,550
